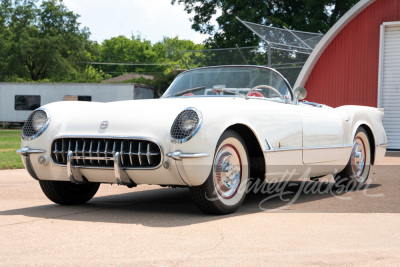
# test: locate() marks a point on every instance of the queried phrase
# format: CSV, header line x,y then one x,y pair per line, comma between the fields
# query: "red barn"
x,y
358,63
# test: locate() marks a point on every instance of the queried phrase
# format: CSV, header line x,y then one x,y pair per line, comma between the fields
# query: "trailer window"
x,y
84,98
77,98
27,102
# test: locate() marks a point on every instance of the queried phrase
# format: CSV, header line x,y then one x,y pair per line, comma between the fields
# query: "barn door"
x,y
389,81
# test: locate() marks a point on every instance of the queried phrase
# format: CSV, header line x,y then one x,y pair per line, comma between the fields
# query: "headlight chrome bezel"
x,y
193,133
29,120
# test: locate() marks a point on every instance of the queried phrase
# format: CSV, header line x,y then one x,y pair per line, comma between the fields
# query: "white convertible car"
x,y
213,130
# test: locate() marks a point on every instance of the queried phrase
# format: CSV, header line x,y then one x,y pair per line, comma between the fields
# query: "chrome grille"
x,y
177,130
99,152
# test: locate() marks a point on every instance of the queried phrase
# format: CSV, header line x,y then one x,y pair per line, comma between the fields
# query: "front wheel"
x,y
225,189
67,193
358,167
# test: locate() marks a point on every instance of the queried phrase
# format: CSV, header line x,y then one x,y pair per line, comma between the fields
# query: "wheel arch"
x,y
254,148
371,139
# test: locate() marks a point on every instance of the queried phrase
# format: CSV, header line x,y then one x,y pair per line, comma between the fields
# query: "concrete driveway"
x,y
149,225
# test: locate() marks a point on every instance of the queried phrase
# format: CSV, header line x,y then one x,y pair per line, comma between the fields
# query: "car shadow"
x,y
169,207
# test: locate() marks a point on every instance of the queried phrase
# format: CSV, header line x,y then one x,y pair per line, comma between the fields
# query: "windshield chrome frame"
x,y
236,66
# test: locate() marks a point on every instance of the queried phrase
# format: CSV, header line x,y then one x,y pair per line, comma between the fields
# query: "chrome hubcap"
x,y
358,157
227,171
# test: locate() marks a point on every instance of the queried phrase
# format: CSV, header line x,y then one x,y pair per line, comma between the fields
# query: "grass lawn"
x,y
10,141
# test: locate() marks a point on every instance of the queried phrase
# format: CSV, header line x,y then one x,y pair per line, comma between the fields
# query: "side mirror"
x,y
300,93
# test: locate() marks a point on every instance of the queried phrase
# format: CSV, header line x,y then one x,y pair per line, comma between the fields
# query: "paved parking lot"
x,y
149,225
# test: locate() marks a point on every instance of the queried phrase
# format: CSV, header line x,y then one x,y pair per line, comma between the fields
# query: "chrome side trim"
x,y
178,155
383,145
28,138
27,150
311,103
111,157
180,141
326,147
268,99
284,149
305,148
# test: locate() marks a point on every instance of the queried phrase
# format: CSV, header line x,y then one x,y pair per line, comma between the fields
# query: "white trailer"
x,y
17,100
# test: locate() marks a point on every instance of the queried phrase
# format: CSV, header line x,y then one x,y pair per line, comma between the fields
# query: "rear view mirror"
x,y
300,93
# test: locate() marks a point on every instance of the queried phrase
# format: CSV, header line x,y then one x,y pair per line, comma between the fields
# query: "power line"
x,y
137,73
128,64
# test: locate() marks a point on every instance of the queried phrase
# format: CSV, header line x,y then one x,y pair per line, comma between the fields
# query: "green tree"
x,y
124,50
304,15
43,42
160,57
167,51
4,36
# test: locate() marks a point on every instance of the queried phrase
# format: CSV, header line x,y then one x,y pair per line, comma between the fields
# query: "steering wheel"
x,y
265,87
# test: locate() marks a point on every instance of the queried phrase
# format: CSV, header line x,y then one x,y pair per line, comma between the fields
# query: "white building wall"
x,y
56,92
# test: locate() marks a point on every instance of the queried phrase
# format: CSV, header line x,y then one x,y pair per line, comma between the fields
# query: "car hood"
x,y
142,118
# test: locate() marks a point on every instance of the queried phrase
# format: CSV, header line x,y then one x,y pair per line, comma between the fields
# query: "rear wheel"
x,y
358,167
67,193
225,189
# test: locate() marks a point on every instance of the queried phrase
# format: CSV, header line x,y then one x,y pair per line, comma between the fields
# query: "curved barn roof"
x,y
327,39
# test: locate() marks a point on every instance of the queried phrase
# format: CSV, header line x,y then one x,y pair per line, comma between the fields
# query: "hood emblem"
x,y
104,125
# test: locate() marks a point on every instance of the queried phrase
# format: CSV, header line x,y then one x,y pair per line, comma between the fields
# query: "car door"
x,y
322,133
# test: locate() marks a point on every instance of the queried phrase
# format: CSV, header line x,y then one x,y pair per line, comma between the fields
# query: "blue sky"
x,y
152,18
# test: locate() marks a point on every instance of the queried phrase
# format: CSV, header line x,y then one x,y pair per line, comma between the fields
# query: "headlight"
x,y
186,125
36,124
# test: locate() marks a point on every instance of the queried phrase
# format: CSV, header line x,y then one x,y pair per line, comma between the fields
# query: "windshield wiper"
x,y
189,90
185,91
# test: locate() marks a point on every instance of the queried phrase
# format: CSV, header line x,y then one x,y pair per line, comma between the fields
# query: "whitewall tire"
x,y
225,189
359,165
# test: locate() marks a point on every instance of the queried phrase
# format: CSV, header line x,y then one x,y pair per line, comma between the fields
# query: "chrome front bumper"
x,y
25,153
74,173
178,156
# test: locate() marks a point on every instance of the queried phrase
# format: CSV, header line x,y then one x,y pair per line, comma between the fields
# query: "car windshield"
x,y
230,80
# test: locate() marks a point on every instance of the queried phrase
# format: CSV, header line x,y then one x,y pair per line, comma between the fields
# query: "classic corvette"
x,y
212,130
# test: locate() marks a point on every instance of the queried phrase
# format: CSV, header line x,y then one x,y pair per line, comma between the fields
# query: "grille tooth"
x,y
55,150
69,146
176,130
76,151
122,153
91,152
83,152
63,148
139,154
106,151
134,153
148,154
98,151
130,153
113,152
